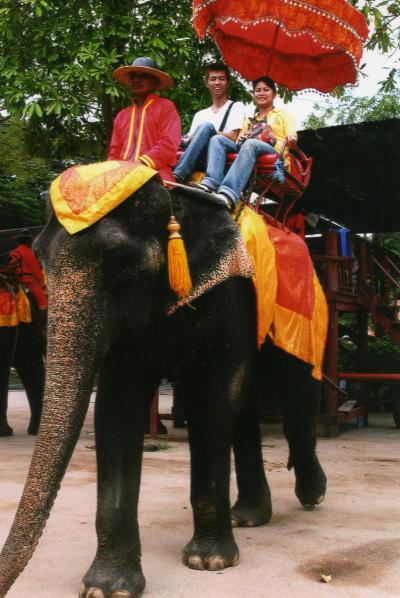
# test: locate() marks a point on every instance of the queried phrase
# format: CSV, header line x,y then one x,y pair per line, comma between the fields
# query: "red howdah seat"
x,y
297,176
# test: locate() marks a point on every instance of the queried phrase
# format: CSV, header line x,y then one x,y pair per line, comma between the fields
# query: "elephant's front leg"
x,y
210,421
119,422
29,363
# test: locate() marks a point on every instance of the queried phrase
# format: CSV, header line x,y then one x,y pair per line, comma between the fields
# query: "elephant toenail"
x,y
121,594
195,562
234,523
215,563
235,561
82,590
308,507
320,499
94,593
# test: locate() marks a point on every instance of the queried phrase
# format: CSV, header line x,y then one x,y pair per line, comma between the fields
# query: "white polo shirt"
x,y
208,115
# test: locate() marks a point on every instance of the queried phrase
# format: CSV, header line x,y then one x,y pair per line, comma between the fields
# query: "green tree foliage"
x,y
56,63
23,179
349,109
57,58
389,241
383,358
383,17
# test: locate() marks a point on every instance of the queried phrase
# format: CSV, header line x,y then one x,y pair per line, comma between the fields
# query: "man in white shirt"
x,y
223,117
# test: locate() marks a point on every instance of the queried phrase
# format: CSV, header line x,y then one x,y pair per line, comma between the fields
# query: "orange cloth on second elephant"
x,y
14,307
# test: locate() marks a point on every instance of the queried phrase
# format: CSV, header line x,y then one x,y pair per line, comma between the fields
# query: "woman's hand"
x,y
241,138
291,139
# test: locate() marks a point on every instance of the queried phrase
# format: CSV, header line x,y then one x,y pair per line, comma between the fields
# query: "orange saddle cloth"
x,y
291,305
83,194
14,307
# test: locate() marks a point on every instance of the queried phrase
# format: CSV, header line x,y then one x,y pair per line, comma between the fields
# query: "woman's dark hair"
x,y
218,66
271,84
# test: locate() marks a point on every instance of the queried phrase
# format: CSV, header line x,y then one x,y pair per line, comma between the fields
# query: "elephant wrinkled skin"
x,y
109,297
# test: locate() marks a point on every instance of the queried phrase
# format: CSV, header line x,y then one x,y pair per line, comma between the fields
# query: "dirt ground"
x,y
354,536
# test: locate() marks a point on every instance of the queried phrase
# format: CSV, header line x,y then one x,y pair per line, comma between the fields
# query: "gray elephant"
x,y
111,311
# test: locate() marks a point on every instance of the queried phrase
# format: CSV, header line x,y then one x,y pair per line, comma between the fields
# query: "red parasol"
x,y
315,44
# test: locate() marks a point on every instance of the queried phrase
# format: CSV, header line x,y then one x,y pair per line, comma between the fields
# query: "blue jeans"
x,y
239,173
218,148
196,151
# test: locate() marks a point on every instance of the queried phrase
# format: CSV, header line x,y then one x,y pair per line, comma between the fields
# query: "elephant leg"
x,y
210,431
29,363
8,339
253,506
120,416
211,411
301,394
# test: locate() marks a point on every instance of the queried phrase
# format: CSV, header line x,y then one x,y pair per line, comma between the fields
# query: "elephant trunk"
x,y
76,344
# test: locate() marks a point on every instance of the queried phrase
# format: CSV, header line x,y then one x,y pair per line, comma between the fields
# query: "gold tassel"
x,y
178,265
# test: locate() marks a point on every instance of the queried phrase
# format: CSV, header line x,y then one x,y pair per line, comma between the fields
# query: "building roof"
x,y
355,178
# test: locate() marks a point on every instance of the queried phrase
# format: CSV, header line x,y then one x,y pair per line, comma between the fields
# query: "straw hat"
x,y
143,65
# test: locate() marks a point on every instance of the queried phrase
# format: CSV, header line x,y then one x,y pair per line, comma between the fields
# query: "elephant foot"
x,y
311,481
211,554
251,514
5,429
33,427
104,581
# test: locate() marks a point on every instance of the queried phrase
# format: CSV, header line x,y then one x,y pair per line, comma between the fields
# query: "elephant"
x,y
110,315
22,347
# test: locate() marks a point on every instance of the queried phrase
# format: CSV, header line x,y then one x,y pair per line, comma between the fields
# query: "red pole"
x,y
393,377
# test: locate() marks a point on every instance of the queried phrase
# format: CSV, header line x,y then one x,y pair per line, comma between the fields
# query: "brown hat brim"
x,y
122,74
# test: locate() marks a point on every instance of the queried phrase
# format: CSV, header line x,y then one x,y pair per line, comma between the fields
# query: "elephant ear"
x,y
123,257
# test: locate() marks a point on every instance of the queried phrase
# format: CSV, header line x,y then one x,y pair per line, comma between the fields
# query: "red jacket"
x,y
29,268
151,132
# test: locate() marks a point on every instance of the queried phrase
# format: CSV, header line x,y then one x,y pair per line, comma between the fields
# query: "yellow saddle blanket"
x,y
291,305
83,194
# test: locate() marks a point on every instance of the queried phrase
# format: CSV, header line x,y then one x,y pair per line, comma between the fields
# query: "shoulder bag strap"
x,y
225,118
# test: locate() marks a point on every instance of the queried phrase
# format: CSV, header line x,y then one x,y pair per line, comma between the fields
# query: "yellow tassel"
x,y
178,265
